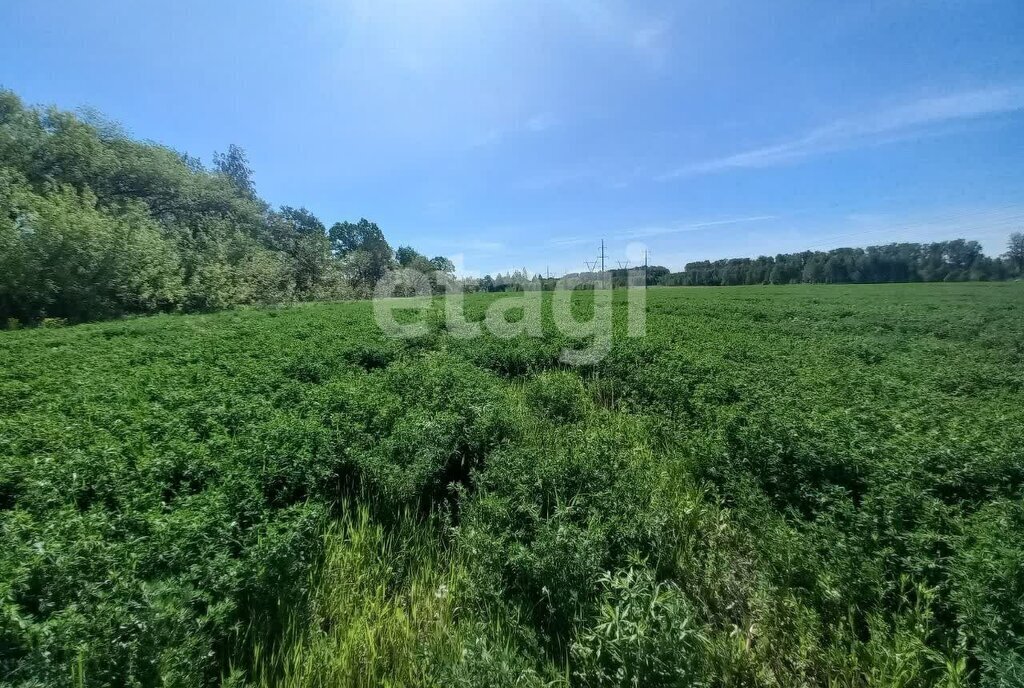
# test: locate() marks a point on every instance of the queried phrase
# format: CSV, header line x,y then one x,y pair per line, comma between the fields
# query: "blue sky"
x,y
522,133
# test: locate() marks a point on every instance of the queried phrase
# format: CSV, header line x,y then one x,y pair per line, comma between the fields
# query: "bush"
x,y
555,510
559,396
63,257
644,634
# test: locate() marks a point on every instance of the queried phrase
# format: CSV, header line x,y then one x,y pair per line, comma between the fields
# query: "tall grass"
x,y
390,607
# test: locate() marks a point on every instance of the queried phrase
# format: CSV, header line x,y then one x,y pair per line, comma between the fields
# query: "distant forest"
x,y
95,224
943,261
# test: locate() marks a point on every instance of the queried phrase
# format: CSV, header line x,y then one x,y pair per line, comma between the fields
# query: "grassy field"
x,y
777,486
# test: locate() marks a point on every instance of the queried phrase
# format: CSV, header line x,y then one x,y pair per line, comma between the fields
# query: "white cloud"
x,y
556,178
656,230
619,23
481,246
596,173
535,124
570,241
650,37
991,225
477,247
675,228
652,40
540,122
909,121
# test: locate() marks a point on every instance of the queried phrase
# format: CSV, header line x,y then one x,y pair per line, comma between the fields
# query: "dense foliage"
x,y
943,261
94,224
793,486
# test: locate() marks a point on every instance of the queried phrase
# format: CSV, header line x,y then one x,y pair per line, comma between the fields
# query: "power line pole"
x,y
602,255
645,267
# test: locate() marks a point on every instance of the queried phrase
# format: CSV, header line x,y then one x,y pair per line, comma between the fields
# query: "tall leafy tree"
x,y
235,166
443,265
365,253
405,255
303,222
301,235
352,236
1015,253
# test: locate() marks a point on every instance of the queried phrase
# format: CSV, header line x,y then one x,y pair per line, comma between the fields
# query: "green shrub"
x,y
988,576
559,396
644,634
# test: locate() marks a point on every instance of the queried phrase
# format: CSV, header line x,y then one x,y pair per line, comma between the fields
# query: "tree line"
x,y
943,261
520,280
958,260
95,224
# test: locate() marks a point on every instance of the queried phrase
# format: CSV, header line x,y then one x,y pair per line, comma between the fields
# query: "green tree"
x,y
353,236
405,255
229,246
365,253
301,235
1015,253
442,264
63,256
234,165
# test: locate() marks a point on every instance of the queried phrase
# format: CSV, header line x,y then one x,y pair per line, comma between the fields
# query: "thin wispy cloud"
x,y
620,23
556,178
909,121
650,36
570,241
482,246
990,225
652,41
599,174
476,247
535,124
658,230
540,122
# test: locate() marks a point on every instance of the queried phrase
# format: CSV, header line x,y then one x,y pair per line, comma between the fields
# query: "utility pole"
x,y
645,267
602,255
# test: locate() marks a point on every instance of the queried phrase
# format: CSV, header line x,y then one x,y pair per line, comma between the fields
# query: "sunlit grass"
x,y
389,607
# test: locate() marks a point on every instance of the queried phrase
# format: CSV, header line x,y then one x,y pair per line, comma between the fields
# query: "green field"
x,y
777,486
